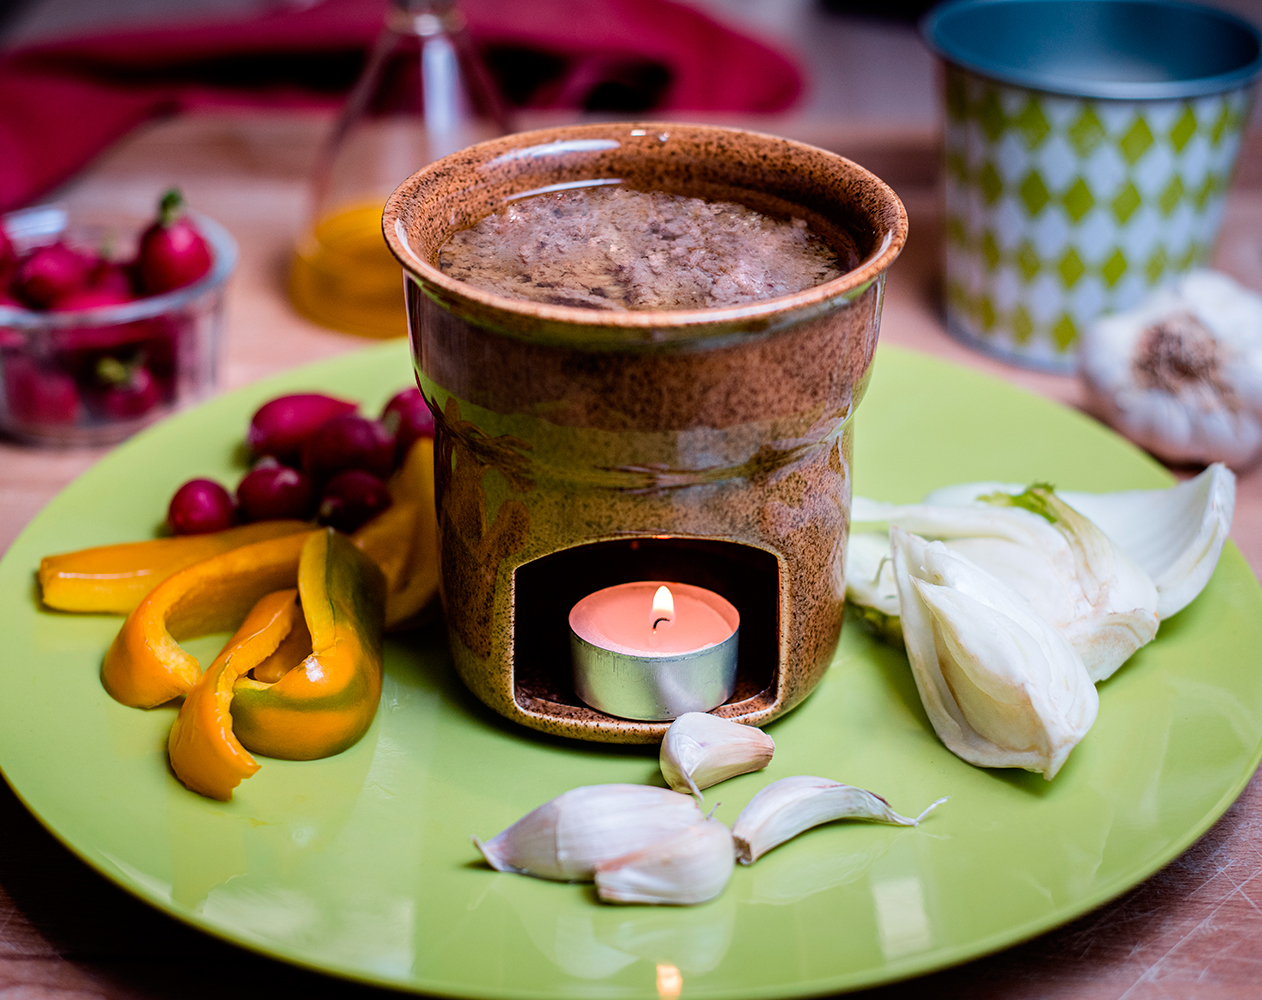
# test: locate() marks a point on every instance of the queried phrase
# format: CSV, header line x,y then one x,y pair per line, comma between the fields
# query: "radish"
x,y
199,506
172,252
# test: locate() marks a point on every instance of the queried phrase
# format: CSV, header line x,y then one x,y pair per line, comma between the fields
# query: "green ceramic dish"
x,y
360,865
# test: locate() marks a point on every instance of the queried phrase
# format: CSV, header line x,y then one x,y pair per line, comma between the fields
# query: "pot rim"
x,y
954,32
761,313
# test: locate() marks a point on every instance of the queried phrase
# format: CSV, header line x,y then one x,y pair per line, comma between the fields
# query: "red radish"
x,y
349,442
281,426
8,255
351,499
407,418
39,395
172,252
127,390
93,297
271,491
199,506
50,274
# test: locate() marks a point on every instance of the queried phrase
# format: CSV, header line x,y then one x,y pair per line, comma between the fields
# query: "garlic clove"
x,y
1000,685
567,837
789,806
690,866
700,750
1175,535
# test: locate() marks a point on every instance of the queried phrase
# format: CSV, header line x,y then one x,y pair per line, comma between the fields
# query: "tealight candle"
x,y
652,651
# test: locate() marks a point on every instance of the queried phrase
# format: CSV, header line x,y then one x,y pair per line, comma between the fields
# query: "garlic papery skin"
x,y
1181,373
688,867
700,750
789,806
870,572
1069,570
567,837
1175,535
1001,686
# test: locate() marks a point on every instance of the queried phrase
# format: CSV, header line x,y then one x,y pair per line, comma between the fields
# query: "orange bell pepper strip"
x,y
327,702
403,539
205,754
145,665
113,579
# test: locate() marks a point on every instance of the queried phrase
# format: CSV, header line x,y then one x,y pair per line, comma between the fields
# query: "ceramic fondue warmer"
x,y
578,449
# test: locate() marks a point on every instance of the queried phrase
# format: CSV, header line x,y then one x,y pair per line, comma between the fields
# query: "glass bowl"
x,y
95,376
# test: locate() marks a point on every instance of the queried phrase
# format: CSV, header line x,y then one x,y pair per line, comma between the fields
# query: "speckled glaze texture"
x,y
561,427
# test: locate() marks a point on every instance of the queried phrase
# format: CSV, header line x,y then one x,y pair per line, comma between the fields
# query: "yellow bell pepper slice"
x,y
113,579
327,702
403,539
205,754
145,665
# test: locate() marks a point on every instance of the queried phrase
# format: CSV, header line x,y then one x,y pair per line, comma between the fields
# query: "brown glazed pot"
x,y
578,448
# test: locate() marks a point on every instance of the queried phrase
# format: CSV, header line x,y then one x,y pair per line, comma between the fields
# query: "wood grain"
x,y
1193,930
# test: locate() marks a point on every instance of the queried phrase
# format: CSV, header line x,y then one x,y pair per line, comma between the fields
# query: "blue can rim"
x,y
935,30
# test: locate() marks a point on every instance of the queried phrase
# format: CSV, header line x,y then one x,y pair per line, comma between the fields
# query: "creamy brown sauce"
x,y
617,248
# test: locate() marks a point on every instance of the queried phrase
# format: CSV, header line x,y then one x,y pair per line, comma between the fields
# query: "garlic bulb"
x,y
1181,373
789,806
700,750
688,867
1001,686
1175,535
567,837
1066,567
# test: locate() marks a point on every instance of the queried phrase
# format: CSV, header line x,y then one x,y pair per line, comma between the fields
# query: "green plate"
x,y
361,866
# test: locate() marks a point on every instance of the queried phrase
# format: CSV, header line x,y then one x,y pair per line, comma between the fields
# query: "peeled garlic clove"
x,y
1175,535
1181,373
700,750
566,838
786,807
687,867
1001,686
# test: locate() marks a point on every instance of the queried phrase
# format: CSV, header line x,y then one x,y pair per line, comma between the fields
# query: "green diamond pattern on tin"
x,y
1027,261
1086,133
1136,142
990,250
1034,193
1078,200
991,183
1022,325
1105,198
1032,124
1071,268
1124,204
991,116
1169,199
1113,268
1064,331
1183,129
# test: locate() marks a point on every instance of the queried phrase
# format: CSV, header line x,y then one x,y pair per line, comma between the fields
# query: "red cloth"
x,y
62,103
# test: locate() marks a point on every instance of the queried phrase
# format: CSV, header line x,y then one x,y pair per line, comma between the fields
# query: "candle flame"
x,y
663,607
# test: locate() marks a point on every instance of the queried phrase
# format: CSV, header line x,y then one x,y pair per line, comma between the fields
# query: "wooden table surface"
x,y
1192,930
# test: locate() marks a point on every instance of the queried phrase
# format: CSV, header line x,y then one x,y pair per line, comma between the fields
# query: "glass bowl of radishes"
x,y
107,322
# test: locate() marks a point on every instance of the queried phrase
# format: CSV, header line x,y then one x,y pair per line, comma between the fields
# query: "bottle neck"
x,y
425,18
